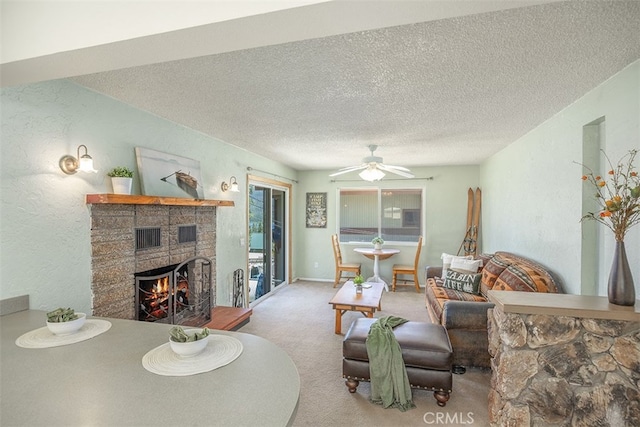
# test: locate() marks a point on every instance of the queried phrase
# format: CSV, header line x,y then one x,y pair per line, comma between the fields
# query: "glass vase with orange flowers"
x,y
618,196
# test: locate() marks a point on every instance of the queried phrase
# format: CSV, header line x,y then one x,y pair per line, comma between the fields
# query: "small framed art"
x,y
168,175
316,210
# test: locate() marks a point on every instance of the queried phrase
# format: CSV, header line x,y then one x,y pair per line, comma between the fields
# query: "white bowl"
x,y
188,349
67,328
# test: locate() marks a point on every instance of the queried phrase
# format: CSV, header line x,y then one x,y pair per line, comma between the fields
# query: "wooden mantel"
x,y
125,199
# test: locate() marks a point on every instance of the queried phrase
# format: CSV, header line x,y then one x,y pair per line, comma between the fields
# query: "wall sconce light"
x,y
231,186
71,165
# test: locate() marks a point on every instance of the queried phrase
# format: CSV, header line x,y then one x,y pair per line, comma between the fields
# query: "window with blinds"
x,y
393,214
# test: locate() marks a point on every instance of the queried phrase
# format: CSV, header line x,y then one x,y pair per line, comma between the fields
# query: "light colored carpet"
x,y
299,319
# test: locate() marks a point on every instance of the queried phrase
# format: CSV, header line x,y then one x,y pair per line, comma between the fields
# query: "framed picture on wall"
x,y
168,175
316,210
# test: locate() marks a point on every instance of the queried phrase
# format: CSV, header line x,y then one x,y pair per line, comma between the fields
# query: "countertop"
x,y
101,381
585,306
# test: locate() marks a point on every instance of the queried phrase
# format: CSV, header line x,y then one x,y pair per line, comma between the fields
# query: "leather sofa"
x,y
464,315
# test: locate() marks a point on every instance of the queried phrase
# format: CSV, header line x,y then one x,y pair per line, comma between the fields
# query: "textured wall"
x,y
533,192
45,223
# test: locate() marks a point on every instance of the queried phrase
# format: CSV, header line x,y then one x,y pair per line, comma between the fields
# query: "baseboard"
x,y
314,279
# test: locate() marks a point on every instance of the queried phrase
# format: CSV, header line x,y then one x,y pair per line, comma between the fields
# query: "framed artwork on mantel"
x,y
168,175
316,210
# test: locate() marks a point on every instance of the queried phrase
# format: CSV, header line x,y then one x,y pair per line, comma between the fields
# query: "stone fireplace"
x,y
135,234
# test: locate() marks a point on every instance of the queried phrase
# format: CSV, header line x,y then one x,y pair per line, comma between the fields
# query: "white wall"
x,y
45,250
446,211
533,192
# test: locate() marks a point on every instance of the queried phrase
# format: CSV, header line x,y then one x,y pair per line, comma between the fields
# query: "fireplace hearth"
x,y
178,294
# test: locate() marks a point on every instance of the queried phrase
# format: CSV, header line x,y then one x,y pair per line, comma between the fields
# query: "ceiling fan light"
x,y
371,174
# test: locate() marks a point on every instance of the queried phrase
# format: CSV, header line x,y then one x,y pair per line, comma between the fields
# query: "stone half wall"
x,y
563,371
115,260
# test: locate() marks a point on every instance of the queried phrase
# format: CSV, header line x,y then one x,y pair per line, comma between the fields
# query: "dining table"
x,y
103,380
377,255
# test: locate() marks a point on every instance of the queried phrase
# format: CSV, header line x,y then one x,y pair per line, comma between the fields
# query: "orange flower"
x,y
618,196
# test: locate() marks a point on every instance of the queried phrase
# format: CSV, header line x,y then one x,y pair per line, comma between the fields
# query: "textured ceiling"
x,y
446,92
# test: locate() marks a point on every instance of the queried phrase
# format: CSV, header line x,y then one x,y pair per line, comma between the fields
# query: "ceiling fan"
x,y
373,169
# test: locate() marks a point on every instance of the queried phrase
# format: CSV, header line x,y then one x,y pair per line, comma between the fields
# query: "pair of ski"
x,y
470,242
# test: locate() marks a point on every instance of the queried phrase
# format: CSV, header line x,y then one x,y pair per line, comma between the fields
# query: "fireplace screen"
x,y
178,294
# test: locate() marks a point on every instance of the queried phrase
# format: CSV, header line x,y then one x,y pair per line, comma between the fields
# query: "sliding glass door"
x,y
268,237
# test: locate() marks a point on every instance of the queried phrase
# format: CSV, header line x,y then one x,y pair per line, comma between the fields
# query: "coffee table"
x,y
366,303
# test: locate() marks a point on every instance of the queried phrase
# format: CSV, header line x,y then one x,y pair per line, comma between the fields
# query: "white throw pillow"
x,y
447,259
469,266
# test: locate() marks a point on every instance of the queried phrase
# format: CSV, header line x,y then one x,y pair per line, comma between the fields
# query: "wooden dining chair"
x,y
340,266
408,270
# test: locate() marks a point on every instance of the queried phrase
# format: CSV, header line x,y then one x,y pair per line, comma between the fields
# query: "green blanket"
x,y
389,382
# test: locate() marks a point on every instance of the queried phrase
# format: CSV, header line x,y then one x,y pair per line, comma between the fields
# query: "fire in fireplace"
x,y
178,294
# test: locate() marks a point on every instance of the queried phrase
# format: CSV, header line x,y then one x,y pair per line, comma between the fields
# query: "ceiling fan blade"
x,y
401,173
348,169
398,170
389,167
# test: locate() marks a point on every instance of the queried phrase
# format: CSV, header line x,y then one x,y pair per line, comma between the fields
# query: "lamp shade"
x,y
86,164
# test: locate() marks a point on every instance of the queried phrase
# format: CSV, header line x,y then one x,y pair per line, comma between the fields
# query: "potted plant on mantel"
x,y
377,242
121,179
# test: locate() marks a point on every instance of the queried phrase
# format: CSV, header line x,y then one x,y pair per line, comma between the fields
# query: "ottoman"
x,y
426,351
